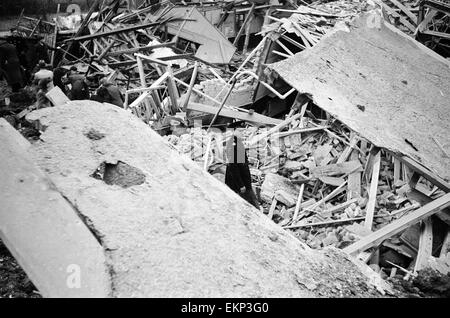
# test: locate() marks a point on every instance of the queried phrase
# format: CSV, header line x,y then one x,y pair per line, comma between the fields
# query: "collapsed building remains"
x,y
343,114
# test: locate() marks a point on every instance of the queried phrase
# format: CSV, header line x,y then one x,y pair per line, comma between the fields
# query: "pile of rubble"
x,y
327,184
315,180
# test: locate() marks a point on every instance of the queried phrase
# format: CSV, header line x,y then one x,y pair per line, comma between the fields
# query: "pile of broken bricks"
x,y
329,187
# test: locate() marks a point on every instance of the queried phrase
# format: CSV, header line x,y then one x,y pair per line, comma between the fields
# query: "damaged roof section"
x,y
382,84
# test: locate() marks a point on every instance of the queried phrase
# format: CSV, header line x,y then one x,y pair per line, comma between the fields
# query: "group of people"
x,y
76,85
18,57
29,63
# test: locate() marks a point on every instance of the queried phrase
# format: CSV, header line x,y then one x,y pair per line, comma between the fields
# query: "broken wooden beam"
x,y
233,83
370,210
241,30
230,113
423,199
427,174
331,222
376,238
354,180
298,131
278,127
299,202
140,49
191,85
403,20
337,169
405,10
112,32
425,245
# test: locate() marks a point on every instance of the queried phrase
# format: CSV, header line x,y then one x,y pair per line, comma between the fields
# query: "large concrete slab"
x,y
180,232
384,85
42,230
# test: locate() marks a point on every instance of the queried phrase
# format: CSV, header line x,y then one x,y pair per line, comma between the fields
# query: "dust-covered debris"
x,y
314,176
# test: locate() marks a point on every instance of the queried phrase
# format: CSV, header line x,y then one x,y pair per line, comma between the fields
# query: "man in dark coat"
x,y
237,175
113,94
58,74
10,64
80,89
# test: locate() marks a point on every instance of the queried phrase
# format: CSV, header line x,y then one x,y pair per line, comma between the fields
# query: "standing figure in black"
x,y
10,65
237,175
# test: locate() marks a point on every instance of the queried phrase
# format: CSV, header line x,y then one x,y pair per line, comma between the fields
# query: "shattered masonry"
x,y
342,107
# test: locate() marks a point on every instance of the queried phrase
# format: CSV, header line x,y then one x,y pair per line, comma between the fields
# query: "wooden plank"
x,y
370,209
233,83
337,169
55,35
42,230
293,42
392,12
247,35
423,199
399,225
340,206
116,31
332,181
278,127
140,49
241,30
272,208
297,131
397,170
427,174
439,34
423,24
331,222
191,85
57,97
354,180
106,50
445,246
299,202
425,245
173,91
284,47
405,10
348,151
331,195
230,113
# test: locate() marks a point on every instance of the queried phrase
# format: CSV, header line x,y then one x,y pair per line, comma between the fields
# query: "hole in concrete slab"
x,y
119,173
94,134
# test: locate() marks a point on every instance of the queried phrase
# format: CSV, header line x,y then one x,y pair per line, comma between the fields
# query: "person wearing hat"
x,y
10,64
